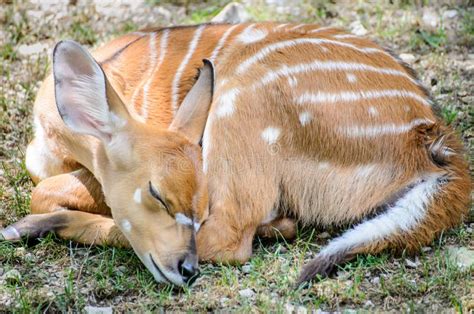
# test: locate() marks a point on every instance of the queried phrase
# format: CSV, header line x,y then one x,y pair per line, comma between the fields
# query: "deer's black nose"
x,y
188,269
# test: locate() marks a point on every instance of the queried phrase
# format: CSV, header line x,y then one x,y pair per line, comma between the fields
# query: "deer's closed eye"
x,y
157,196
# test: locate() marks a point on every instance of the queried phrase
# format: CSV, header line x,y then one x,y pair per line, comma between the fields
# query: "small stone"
x,y
375,280
412,264
246,269
97,310
324,235
122,269
232,13
425,249
468,230
358,29
34,49
462,256
407,57
449,14
30,257
20,252
430,19
369,304
223,301
12,276
246,293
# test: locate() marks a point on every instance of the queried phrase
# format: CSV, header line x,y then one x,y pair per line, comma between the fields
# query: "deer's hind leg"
x,y
71,205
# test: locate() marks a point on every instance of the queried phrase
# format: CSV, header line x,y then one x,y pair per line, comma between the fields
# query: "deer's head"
x,y
151,177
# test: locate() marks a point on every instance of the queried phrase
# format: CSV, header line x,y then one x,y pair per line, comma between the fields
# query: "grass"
x,y
62,276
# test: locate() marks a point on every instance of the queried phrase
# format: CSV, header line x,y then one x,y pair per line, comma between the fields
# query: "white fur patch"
x,y
351,78
271,135
403,216
292,81
226,105
137,196
252,35
382,129
351,96
305,118
177,77
372,111
126,226
186,221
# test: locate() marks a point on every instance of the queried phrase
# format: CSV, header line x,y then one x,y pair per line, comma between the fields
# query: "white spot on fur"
x,y
407,108
226,105
292,81
305,118
186,221
403,216
382,129
350,96
271,135
126,226
252,35
137,196
373,112
177,77
351,78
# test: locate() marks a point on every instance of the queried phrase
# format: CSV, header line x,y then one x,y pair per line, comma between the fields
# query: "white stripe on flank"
x,y
343,36
381,129
155,68
296,27
251,34
345,96
305,118
321,29
330,66
152,48
404,216
221,42
281,25
137,196
265,51
182,67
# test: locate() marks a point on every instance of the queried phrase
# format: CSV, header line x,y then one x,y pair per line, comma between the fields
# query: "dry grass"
x,y
55,275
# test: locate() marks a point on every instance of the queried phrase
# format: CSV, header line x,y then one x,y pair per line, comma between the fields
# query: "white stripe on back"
x,y
350,96
330,66
321,29
381,129
408,212
221,42
182,67
265,51
156,66
343,36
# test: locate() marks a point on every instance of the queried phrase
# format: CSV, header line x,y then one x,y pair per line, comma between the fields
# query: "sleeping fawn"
x,y
283,124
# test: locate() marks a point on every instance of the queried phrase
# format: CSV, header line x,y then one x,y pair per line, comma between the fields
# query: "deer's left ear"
x,y
191,117
85,100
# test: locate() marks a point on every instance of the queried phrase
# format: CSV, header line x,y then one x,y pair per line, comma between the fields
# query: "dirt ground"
x,y
62,276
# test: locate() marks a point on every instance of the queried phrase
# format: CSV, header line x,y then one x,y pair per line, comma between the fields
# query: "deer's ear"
x,y
81,90
191,117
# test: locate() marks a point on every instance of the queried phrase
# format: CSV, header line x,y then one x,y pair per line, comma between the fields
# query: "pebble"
x,y
324,235
358,29
449,14
375,280
246,269
34,49
97,310
430,19
407,57
12,276
246,293
369,304
232,13
223,301
412,264
462,256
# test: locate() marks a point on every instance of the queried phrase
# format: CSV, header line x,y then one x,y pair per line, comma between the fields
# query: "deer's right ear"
x,y
81,90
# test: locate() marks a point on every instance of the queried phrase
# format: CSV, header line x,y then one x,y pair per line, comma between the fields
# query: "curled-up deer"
x,y
143,144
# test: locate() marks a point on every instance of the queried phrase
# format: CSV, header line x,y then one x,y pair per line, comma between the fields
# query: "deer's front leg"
x,y
71,205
